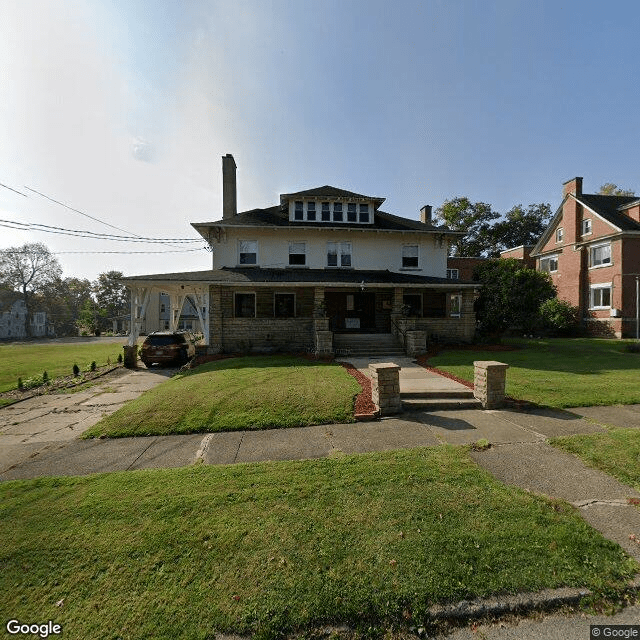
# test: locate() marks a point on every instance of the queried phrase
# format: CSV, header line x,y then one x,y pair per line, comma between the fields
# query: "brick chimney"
x,y
573,186
425,214
229,196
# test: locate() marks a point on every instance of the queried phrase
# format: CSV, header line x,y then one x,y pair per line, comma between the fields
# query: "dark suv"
x,y
167,347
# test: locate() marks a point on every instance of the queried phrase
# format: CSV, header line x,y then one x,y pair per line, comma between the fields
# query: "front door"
x,y
351,312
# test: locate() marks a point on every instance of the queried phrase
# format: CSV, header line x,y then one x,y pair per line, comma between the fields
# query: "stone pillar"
x,y
385,387
324,343
131,356
489,380
416,344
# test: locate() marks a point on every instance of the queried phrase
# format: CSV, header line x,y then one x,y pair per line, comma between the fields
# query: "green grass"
x,y
559,372
269,547
26,360
238,393
616,452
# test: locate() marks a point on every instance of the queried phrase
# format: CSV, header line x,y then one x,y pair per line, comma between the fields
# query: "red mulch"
x,y
364,407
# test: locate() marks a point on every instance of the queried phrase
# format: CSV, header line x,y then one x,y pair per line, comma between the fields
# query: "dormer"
x,y
632,210
330,206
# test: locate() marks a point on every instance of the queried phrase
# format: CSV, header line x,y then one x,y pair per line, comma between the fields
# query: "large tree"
x,y
111,297
474,218
510,296
520,226
610,189
28,269
63,298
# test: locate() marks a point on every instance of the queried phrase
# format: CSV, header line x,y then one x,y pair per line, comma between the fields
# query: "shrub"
x,y
45,377
20,385
76,370
119,358
93,365
634,347
559,317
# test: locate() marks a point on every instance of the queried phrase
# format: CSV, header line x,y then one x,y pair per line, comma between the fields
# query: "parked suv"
x,y
167,347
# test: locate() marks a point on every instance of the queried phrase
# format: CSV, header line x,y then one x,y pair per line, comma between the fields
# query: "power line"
x,y
14,190
133,252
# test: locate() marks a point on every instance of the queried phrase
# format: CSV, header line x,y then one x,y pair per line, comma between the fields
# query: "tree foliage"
x,y
559,317
474,218
62,299
111,297
28,269
611,189
520,226
510,296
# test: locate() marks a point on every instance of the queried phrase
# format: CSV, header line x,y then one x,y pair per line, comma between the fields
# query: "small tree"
x,y
559,317
510,296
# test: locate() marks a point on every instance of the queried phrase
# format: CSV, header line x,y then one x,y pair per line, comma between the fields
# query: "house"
x,y
463,268
591,249
322,261
12,317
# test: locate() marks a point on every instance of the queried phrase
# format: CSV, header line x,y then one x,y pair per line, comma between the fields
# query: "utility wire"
x,y
14,190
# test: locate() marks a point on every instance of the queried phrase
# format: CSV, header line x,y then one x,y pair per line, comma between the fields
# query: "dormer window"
x,y
364,213
311,211
299,210
559,234
351,212
326,212
337,211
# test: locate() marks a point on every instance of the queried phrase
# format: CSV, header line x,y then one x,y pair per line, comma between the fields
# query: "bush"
x,y
45,377
20,385
76,370
559,317
93,365
119,358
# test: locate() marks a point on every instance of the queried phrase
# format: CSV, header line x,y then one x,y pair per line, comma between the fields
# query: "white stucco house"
x,y
12,317
321,262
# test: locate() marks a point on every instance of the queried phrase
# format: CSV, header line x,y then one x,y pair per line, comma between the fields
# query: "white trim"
x,y
553,256
600,265
597,286
339,254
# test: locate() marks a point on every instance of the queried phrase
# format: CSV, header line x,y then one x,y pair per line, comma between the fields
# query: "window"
x,y
351,212
600,255
298,253
245,305
586,226
453,274
435,304
338,254
410,256
337,211
298,213
549,264
248,250
455,306
364,213
311,210
326,213
413,304
600,296
559,234
284,305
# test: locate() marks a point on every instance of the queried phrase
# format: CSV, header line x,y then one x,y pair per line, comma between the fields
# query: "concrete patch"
x,y
283,444
223,447
541,468
550,423
169,452
13,453
382,435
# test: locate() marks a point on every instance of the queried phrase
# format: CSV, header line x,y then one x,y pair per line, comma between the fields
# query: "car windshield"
x,y
162,341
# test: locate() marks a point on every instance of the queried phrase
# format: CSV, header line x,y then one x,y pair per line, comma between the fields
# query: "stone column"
x,y
131,356
385,387
324,343
416,344
489,380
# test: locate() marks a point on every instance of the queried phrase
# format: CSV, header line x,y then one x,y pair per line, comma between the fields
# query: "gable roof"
x,y
327,191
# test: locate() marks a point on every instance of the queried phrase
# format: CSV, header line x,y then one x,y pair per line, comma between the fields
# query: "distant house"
x,y
591,249
321,262
12,316
462,268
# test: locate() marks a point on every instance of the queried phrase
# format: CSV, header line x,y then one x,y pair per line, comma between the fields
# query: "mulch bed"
x,y
364,408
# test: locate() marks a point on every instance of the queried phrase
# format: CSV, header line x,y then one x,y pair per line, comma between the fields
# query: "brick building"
x,y
591,249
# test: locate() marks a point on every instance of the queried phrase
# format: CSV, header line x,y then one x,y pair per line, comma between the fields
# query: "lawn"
x,y
253,392
366,540
616,452
558,372
24,360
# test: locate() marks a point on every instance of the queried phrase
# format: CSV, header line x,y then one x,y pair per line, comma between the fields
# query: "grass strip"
x,y
238,393
617,452
267,548
557,372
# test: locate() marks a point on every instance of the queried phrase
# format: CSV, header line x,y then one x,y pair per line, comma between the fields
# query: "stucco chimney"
x,y
573,186
425,214
229,197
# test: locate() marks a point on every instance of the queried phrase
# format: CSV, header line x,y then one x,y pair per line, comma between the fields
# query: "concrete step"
x,y
439,404
430,395
367,345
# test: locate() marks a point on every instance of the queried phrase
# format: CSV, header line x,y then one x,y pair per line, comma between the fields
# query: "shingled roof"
x,y
609,208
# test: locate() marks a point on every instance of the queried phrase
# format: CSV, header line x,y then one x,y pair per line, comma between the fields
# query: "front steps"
x,y
366,345
439,400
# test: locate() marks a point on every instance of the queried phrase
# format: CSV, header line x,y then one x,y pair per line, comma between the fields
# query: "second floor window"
x,y
338,254
248,250
453,274
549,264
586,226
600,255
410,256
297,253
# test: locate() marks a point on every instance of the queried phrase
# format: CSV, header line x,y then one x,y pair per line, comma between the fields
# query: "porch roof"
x,y
274,277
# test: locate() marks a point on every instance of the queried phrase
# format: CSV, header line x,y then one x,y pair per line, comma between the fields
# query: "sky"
x,y
115,114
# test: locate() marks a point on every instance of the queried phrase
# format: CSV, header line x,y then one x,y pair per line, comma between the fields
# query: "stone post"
x,y
385,387
416,344
489,380
324,343
131,356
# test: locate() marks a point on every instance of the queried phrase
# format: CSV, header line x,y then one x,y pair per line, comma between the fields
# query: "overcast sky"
x,y
122,109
